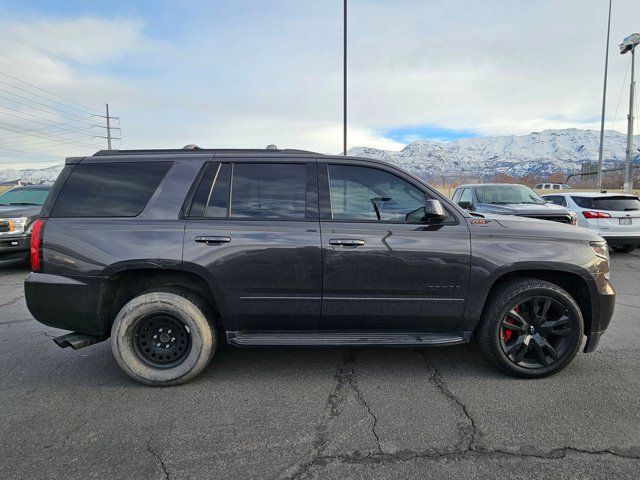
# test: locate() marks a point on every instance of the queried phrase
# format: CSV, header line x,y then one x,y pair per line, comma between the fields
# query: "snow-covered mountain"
x,y
31,175
539,153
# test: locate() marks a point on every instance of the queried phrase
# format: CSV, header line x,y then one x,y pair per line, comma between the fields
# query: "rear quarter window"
x,y
583,202
109,189
617,204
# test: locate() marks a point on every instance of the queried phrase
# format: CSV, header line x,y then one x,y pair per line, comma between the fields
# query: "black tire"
x,y
530,296
624,248
187,350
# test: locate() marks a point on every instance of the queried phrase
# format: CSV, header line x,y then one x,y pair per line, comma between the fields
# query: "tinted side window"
x,y
109,189
466,196
583,202
363,193
557,199
212,196
268,190
456,195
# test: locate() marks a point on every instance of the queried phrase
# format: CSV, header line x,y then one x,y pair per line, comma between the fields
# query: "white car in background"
x,y
615,216
551,186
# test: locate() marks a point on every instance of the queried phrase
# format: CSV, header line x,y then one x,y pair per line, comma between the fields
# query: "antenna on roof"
x,y
271,146
191,146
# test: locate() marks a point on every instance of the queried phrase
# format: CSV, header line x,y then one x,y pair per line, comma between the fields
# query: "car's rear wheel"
x,y
531,328
163,338
624,248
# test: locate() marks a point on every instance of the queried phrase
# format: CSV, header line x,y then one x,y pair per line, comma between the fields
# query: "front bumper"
x,y
13,247
620,240
602,314
67,303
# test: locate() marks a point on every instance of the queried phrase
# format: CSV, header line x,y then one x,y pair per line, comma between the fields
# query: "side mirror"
x,y
465,205
431,212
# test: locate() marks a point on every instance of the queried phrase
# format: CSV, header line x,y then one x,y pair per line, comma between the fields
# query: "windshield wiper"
x,y
24,203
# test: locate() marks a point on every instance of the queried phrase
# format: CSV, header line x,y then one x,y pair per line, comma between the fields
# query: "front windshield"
x,y
507,194
24,196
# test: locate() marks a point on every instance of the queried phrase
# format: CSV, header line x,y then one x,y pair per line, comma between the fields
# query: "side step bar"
x,y
339,339
77,340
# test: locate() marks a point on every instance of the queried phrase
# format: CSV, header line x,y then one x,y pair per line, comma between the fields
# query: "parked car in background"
x,y
19,207
615,216
170,252
510,199
552,186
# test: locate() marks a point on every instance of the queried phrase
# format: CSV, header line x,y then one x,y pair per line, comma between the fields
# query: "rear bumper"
x,y
14,247
66,303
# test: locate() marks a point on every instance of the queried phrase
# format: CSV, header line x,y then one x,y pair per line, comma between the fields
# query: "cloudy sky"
x,y
248,73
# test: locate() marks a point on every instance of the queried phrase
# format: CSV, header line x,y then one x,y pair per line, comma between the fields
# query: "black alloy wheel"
x,y
536,332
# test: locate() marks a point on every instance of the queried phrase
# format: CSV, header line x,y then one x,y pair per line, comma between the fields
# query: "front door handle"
x,y
212,240
346,242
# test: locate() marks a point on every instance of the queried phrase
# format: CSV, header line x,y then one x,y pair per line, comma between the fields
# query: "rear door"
x,y
253,229
380,272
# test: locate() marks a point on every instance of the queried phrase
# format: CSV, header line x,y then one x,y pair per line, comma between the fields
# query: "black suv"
x,y
170,252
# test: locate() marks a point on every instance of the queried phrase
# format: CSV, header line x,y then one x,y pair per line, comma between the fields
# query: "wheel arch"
x,y
576,281
124,284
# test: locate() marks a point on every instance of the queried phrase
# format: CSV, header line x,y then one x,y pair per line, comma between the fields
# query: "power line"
x,y
59,140
43,123
89,109
39,103
45,98
40,117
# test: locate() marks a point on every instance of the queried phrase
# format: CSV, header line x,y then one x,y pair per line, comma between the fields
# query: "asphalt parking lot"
x,y
318,413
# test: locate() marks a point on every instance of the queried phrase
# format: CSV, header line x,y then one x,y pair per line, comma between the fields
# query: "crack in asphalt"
x,y
345,379
157,456
435,377
467,448
12,301
13,322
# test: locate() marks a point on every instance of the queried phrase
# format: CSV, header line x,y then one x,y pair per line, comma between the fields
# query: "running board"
x,y
340,339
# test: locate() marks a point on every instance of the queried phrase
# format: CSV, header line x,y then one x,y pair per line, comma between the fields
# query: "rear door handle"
x,y
346,242
212,240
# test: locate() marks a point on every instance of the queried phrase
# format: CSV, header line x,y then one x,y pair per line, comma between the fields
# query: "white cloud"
x,y
244,75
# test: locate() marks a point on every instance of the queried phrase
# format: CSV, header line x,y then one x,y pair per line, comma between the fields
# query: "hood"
x,y
15,211
523,209
533,227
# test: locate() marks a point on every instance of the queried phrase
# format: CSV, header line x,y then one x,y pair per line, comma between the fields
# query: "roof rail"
x,y
194,150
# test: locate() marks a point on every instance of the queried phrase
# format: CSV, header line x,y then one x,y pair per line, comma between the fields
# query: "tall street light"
x,y
629,44
344,79
604,103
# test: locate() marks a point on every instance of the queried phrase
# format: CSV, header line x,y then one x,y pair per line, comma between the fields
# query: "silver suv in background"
x,y
614,216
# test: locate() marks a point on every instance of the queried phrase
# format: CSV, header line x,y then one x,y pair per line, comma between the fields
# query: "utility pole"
x,y
629,44
344,79
108,128
604,103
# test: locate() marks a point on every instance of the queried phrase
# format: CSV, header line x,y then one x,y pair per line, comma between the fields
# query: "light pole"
x,y
344,79
604,103
629,44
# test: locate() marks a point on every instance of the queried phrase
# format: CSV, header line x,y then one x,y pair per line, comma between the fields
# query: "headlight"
x,y
16,225
600,249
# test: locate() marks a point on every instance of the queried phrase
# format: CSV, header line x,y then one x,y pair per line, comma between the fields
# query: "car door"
x,y
253,229
380,272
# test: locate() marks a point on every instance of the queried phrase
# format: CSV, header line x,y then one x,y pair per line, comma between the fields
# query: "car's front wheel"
x,y
531,328
163,338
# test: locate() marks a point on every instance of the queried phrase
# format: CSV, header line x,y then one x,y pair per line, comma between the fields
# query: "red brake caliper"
x,y
507,333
